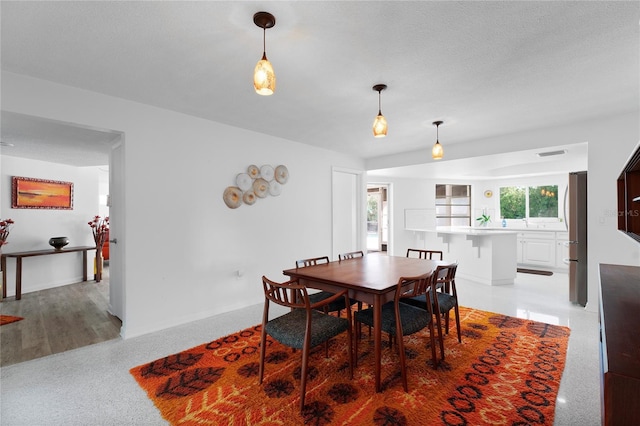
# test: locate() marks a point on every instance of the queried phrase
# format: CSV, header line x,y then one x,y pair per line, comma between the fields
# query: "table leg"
x,y
377,333
98,266
84,265
18,278
3,265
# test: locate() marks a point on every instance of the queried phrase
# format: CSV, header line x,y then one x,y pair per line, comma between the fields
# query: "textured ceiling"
x,y
484,68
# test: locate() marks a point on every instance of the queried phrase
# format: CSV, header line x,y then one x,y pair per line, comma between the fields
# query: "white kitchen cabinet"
x,y
562,250
537,248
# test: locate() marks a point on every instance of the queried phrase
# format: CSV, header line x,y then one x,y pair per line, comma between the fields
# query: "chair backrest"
x,y
446,274
311,261
415,286
424,254
351,255
291,294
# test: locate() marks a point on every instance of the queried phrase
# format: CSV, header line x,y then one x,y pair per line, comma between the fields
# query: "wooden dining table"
x,y
370,279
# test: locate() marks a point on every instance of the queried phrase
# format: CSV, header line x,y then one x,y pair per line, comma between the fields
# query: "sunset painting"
x,y
30,193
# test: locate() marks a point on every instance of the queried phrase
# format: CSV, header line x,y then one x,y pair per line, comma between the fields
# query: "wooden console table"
x,y
19,255
620,344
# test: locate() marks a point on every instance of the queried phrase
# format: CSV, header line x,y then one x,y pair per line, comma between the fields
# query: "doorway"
x,y
84,313
377,218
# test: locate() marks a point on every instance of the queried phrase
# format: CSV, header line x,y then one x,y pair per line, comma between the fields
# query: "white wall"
x,y
183,245
611,142
34,227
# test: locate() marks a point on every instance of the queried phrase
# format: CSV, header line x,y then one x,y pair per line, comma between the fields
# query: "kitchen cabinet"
x,y
537,248
562,249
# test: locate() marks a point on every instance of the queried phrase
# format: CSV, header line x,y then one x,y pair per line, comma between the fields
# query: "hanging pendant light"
x,y
380,123
437,152
264,79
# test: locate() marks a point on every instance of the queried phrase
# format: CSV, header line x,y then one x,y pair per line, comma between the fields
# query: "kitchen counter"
x,y
488,256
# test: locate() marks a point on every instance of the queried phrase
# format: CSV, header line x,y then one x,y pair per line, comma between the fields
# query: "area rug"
x,y
8,319
535,271
506,371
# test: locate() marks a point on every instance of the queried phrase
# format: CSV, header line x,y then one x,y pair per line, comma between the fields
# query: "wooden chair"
x,y
338,304
304,327
446,297
402,319
424,254
350,255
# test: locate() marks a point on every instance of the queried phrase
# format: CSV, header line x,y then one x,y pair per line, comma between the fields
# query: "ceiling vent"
x,y
550,153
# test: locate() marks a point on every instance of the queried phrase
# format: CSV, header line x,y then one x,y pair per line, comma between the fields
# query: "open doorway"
x,y
60,318
377,218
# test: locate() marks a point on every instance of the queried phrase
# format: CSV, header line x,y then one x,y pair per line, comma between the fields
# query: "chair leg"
x,y
403,360
303,378
446,322
357,327
458,323
262,352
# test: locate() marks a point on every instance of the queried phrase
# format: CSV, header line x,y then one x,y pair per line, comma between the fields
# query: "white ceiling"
x,y
484,68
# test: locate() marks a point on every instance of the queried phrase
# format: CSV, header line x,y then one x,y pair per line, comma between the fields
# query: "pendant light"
x,y
437,152
380,123
264,79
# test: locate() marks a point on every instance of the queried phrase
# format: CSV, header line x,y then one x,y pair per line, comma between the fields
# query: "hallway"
x,y
57,320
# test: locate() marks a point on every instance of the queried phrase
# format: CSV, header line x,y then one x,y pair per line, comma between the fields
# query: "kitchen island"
x,y
484,255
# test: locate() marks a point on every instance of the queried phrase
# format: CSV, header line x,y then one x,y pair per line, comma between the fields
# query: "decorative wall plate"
x,y
253,171
274,188
244,181
232,197
249,198
266,172
488,193
260,187
282,174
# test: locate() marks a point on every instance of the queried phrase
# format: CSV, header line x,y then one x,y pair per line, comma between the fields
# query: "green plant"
x,y
484,219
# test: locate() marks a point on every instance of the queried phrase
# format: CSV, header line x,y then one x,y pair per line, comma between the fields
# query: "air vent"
x,y
550,153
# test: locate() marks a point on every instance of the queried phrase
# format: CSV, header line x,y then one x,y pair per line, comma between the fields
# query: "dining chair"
x,y
446,296
350,255
337,305
402,319
424,254
304,327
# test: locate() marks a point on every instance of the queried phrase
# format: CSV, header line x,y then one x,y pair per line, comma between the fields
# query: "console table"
x,y
20,255
620,344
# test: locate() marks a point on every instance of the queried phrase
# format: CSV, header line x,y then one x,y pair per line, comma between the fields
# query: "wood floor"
x,y
57,320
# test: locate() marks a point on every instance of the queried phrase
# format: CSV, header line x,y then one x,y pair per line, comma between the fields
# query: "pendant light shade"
x,y
264,79
380,123
437,152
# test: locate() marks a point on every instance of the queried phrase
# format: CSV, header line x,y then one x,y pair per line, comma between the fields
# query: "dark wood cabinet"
x,y
620,344
629,197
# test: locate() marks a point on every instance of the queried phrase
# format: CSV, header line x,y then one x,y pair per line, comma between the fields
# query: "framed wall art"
x,y
32,193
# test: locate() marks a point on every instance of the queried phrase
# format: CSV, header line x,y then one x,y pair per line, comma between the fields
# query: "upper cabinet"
x,y
629,197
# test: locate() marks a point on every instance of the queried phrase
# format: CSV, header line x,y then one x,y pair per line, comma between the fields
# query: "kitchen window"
x,y
453,205
522,202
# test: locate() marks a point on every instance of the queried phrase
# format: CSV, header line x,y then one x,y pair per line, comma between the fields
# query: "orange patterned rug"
x,y
8,319
506,371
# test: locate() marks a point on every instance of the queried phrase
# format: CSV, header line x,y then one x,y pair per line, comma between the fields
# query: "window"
x,y
453,205
520,202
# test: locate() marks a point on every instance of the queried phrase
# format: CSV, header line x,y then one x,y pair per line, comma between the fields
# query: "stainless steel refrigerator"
x,y
576,219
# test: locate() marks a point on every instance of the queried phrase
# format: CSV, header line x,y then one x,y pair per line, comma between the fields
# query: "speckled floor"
x,y
92,385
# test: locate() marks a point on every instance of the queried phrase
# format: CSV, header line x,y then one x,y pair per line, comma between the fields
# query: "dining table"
x,y
371,279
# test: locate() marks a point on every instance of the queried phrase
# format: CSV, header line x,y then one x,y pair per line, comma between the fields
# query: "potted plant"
x,y
484,219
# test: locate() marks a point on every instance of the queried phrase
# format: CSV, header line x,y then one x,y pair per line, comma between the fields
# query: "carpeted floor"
x,y
8,319
506,370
